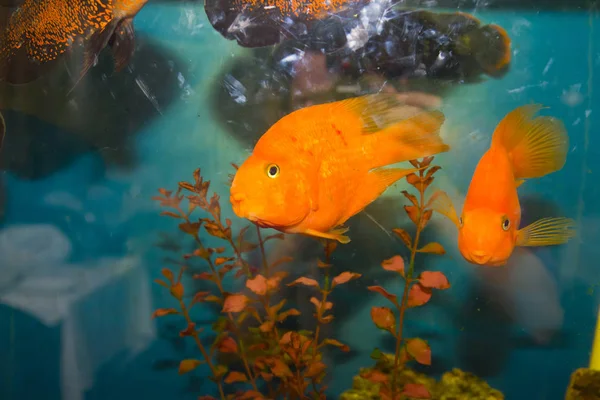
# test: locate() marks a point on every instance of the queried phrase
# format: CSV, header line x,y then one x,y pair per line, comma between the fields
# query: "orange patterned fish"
x,y
38,32
320,165
522,147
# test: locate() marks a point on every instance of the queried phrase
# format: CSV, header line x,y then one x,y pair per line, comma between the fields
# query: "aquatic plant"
x,y
282,364
417,292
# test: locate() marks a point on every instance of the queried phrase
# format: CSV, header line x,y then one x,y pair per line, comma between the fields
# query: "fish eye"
x,y
272,170
460,221
505,223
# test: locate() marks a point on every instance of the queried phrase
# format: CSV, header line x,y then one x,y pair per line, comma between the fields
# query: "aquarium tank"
x,y
299,199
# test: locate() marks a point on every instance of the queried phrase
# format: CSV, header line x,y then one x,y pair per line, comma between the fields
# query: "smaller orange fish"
x,y
320,165
522,147
37,33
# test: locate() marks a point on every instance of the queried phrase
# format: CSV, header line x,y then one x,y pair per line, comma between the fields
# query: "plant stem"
x,y
219,284
324,294
407,281
186,314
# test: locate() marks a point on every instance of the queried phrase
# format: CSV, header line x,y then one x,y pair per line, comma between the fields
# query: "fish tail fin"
x,y
547,232
536,146
412,138
491,47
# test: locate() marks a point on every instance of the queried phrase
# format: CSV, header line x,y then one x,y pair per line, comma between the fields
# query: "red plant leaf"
x,y
213,299
167,273
404,236
343,278
425,218
375,376
235,303
267,326
285,314
190,228
162,283
204,275
188,365
337,344
419,350
171,214
383,318
411,197
223,260
304,281
413,213
280,369
189,330
250,395
395,264
418,295
177,291
416,391
327,306
433,248
435,280
315,369
235,376
228,345
164,311
378,289
258,285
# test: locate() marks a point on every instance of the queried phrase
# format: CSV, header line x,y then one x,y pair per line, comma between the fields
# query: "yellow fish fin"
x,y
519,182
375,183
416,137
378,111
537,146
334,234
440,202
546,232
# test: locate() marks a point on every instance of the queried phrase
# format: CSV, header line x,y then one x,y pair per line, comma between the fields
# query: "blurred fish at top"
x,y
37,33
379,35
257,23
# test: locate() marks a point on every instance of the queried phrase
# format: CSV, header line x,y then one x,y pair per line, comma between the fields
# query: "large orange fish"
x,y
522,147
320,165
38,32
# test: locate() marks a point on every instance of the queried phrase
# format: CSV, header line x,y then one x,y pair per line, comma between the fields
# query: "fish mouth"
x,y
237,204
478,257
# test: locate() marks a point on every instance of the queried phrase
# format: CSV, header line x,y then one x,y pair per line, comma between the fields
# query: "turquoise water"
x,y
79,326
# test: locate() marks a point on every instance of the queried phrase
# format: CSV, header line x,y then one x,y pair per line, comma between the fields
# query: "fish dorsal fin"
x,y
536,146
378,111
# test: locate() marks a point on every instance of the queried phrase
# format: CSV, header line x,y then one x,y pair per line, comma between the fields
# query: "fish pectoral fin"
x,y
373,185
123,44
519,182
546,232
334,234
440,202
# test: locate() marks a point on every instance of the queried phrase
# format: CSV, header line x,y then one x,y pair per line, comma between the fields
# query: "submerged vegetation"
x,y
265,360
